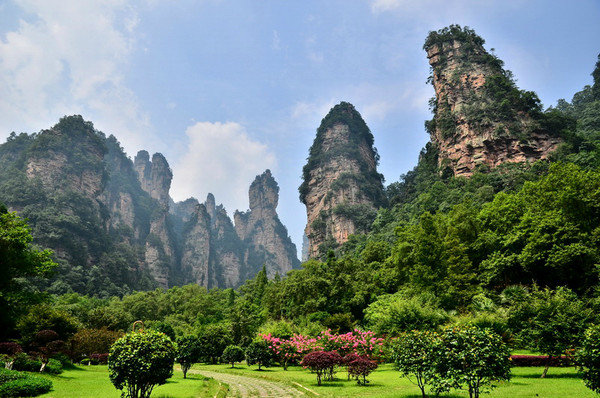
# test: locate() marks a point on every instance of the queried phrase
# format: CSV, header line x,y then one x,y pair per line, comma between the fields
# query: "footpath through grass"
x,y
93,382
385,382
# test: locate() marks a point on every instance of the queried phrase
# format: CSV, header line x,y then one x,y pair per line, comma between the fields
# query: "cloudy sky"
x,y
227,88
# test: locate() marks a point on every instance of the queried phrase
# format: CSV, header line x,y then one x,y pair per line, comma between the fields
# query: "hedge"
x,y
17,384
539,360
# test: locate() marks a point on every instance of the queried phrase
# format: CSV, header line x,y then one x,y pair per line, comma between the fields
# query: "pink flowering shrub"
x,y
292,350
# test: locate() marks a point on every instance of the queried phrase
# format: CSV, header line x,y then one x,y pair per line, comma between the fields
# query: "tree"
x,y
10,350
321,362
259,353
213,340
92,341
19,260
188,352
551,321
361,367
233,354
471,358
139,361
415,354
47,344
588,358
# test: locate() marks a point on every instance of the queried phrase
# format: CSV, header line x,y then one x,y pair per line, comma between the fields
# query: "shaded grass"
x,y
93,382
385,382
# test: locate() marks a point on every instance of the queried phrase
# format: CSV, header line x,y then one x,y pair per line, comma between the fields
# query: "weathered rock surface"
x,y
266,239
480,117
342,188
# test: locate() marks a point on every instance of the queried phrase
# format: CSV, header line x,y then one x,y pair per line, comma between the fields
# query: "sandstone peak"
x,y
480,116
341,186
264,192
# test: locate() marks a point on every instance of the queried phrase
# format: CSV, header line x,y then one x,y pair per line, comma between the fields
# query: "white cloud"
x,y
223,159
67,57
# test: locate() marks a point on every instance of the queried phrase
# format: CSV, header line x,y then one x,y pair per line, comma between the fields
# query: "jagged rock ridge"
x,y
111,221
480,117
341,186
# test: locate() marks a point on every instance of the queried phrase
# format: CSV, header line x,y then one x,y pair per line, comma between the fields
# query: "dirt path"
x,y
244,386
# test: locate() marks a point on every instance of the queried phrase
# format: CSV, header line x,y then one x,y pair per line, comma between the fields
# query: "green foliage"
x,y
392,314
92,341
17,384
189,352
139,361
233,354
470,358
213,341
45,317
414,354
19,260
588,358
258,353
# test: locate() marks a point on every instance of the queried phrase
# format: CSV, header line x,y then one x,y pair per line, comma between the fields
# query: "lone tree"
x,y
471,358
188,352
259,353
361,367
415,354
321,362
588,358
139,361
233,354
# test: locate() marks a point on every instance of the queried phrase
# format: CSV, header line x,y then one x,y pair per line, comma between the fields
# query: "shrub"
x,y
259,353
361,367
322,363
90,341
539,360
99,359
233,354
10,350
24,362
139,361
16,384
588,358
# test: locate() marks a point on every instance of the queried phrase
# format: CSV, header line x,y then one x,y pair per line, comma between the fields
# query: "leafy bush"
x,y
188,352
91,341
99,359
415,354
588,358
540,360
322,363
361,367
139,361
233,354
15,384
24,362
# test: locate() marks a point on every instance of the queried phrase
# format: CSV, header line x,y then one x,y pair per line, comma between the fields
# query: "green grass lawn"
x,y
386,382
93,382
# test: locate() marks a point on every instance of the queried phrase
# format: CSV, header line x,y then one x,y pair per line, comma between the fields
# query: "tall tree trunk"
x,y
547,366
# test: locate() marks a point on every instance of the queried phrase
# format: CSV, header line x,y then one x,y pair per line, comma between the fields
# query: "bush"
x,y
139,361
415,354
99,359
588,358
233,354
24,362
322,363
539,360
188,352
16,384
361,367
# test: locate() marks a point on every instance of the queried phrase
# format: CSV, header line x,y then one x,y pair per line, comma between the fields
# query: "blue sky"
x,y
225,89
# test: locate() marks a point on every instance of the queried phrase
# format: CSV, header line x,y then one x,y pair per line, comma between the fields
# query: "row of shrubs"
x,y
18,384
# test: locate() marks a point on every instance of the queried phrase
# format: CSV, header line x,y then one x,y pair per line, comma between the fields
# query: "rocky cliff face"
x,y
266,239
196,253
480,117
342,188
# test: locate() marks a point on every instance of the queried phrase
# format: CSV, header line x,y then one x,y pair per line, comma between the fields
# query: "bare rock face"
x,y
155,178
480,117
342,188
195,260
266,239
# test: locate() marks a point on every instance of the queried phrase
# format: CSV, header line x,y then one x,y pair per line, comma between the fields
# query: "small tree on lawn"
x,y
361,367
139,361
472,358
259,353
347,359
188,353
47,344
233,354
10,350
588,358
414,354
320,362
